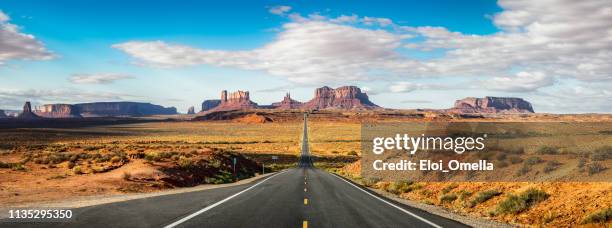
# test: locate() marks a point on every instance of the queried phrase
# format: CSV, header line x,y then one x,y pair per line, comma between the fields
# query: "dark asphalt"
x,y
298,197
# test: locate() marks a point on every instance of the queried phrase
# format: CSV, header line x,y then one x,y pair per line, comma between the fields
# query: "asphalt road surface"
x,y
300,197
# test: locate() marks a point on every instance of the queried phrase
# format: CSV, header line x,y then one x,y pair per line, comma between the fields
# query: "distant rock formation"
x,y
100,109
191,110
236,100
287,103
492,105
346,97
27,112
58,111
2,114
210,104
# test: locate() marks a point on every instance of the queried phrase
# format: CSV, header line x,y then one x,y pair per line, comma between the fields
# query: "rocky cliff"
x,y
191,110
287,103
122,109
346,97
492,105
27,112
234,101
58,111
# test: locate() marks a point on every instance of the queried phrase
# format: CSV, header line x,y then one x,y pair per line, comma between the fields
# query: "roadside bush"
x,y
582,162
594,168
600,216
523,170
602,153
449,187
533,160
448,198
152,156
547,150
464,194
185,162
551,166
77,170
484,196
514,204
70,165
352,153
115,159
515,159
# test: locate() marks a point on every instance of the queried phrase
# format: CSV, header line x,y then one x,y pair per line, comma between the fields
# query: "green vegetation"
x,y
547,150
515,159
484,196
514,204
594,168
448,198
600,216
449,187
602,153
533,160
551,166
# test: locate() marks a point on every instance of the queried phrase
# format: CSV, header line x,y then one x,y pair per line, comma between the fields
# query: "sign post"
x,y
234,160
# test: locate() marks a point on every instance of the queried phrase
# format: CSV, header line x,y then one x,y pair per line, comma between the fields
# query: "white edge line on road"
x,y
178,222
387,202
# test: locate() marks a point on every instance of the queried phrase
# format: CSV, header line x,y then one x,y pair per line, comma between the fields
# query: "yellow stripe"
x,y
305,224
305,201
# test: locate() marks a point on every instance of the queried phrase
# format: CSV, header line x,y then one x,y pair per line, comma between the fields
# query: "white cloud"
x,y
304,52
522,82
17,45
99,78
280,10
14,98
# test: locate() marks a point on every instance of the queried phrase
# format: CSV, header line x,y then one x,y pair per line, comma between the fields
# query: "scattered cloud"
x,y
14,98
406,87
17,45
522,82
415,101
99,78
279,10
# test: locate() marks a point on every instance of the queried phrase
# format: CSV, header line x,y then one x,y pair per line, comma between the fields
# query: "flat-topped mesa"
x,y
27,112
345,97
58,111
236,100
492,105
287,103
210,104
123,108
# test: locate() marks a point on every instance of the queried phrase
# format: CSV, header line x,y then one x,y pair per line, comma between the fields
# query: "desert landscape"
x,y
62,152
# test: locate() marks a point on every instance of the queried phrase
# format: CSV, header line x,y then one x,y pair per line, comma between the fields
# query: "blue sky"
x,y
406,54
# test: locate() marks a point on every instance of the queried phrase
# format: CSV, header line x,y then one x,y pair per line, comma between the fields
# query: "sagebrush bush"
x,y
448,198
547,150
600,216
533,160
515,159
594,168
484,196
514,204
602,153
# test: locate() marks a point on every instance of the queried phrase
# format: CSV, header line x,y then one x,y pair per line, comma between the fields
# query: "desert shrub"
x,y
600,216
523,170
449,187
594,168
152,156
77,169
426,193
18,167
515,159
582,162
428,202
126,175
602,153
73,157
551,165
464,194
70,165
547,150
517,203
115,159
185,162
484,196
502,164
533,160
501,156
352,153
448,198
